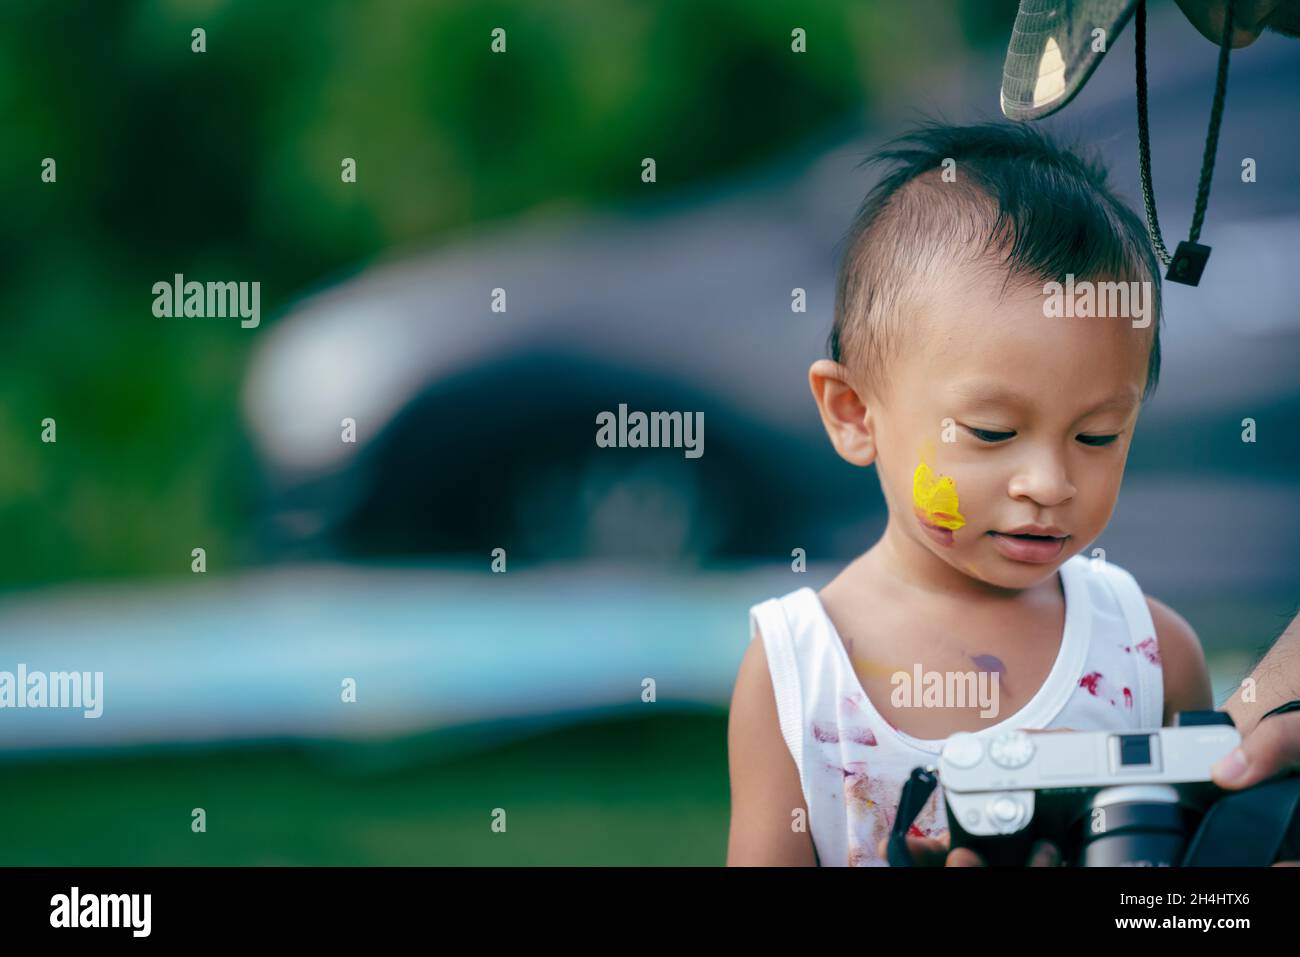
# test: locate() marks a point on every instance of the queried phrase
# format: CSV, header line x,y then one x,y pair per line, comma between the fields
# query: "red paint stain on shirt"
x,y
823,733
829,734
1090,681
1150,649
860,736
1128,698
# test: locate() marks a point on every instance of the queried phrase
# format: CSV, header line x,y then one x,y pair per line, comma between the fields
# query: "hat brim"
x,y
1054,50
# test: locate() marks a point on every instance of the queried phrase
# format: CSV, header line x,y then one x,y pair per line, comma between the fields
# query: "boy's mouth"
x,y
1030,543
1040,532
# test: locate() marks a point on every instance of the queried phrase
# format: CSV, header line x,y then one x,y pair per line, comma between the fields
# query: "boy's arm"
x,y
1187,679
765,788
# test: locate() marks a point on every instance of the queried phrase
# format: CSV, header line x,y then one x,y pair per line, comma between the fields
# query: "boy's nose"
x,y
1045,481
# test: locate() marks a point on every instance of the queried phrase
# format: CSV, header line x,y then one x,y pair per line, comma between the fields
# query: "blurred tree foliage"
x,y
225,165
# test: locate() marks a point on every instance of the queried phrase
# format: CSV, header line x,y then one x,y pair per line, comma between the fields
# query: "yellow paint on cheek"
x,y
936,498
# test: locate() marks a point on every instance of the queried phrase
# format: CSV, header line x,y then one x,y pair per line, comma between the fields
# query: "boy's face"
x,y
998,417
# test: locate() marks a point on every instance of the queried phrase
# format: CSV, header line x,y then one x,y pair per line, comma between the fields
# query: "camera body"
x,y
1105,798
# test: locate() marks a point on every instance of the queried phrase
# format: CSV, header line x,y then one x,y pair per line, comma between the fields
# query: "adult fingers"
x,y
1208,16
1272,747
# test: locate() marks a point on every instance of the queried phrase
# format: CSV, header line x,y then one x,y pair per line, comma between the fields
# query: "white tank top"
x,y
853,763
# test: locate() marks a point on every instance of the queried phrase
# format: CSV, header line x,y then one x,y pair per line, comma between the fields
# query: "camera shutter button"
x,y
1006,811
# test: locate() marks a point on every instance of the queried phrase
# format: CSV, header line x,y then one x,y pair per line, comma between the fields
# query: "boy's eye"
x,y
988,435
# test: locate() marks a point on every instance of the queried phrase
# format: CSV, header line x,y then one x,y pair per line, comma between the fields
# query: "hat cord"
x,y
1211,139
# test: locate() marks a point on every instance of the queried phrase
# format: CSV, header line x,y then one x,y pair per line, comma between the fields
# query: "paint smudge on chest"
x,y
994,665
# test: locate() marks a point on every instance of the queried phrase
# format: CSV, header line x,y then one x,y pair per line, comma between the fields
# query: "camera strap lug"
x,y
920,785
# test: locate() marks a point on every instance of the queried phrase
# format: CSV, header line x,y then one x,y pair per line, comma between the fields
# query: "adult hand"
x,y
1272,747
1249,18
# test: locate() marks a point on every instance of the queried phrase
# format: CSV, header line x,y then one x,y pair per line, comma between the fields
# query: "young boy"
x,y
992,346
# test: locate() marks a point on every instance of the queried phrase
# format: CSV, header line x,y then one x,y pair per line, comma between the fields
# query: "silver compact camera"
x,y
1105,798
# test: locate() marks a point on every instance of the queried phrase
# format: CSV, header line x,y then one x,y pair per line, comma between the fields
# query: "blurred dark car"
x,y
478,429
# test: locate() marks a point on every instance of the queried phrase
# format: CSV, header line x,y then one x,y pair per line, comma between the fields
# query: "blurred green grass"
x,y
626,791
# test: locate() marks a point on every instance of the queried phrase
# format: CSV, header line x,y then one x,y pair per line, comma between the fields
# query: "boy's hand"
x,y
936,852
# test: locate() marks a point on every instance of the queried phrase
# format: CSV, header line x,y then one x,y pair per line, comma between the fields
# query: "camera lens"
x,y
1137,825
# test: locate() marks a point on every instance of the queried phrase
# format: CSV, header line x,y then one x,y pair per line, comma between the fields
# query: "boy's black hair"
x,y
1019,202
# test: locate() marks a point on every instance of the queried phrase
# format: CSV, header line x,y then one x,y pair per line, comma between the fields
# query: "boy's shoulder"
x,y
1182,660
791,611
1163,617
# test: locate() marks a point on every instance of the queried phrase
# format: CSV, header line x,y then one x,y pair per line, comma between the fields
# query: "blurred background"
x,y
373,560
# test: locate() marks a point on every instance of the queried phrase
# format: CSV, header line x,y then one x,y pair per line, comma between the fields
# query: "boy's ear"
x,y
844,414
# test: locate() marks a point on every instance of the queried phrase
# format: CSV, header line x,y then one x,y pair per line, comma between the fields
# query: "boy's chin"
x,y
1002,572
